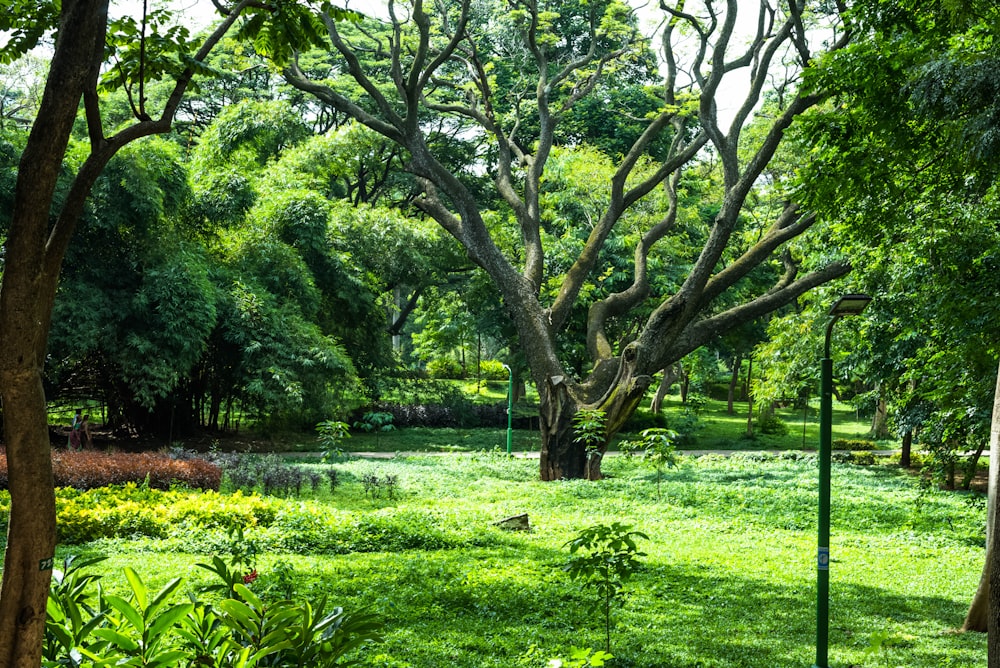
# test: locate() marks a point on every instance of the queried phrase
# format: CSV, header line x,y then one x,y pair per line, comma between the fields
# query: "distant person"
x,y
74,430
85,428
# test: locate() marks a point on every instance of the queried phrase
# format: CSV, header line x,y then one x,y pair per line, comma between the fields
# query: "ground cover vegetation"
x,y
448,586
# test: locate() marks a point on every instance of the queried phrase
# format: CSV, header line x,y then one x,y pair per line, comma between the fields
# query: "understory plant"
x,y
147,628
590,429
332,433
657,447
580,657
375,421
604,557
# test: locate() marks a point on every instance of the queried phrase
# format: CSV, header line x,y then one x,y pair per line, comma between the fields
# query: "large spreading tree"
x,y
517,77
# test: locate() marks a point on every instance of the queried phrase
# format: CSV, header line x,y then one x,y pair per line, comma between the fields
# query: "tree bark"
x,y
880,420
992,572
27,292
749,401
734,380
34,253
670,376
560,458
978,616
906,449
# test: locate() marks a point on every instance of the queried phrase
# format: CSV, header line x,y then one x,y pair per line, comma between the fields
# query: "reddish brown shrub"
x,y
89,470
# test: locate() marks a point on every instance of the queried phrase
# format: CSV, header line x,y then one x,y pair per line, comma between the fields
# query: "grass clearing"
x,y
716,430
728,580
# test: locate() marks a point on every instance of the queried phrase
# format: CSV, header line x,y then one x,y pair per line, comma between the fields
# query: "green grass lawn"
x,y
728,578
716,430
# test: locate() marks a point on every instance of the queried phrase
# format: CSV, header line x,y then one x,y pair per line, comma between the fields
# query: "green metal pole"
x,y
823,542
510,406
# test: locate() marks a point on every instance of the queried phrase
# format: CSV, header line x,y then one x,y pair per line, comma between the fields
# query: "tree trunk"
x,y
992,572
907,447
880,421
670,376
32,528
33,255
561,457
749,401
734,380
564,457
977,618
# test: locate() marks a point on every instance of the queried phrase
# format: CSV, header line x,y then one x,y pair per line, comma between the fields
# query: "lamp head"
x,y
850,305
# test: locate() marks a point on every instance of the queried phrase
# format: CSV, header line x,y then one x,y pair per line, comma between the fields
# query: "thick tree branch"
x,y
789,225
701,332
621,302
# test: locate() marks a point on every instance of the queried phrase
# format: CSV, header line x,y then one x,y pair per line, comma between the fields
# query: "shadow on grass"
x,y
488,608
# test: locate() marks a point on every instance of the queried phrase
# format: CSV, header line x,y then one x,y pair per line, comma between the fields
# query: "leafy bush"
x,y
852,444
270,475
643,419
445,367
422,402
769,423
130,510
492,370
196,520
147,629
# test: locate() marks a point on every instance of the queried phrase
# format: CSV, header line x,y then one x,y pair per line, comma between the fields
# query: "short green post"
x,y
510,407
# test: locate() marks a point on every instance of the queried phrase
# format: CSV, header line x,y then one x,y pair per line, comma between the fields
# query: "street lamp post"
x,y
510,406
846,305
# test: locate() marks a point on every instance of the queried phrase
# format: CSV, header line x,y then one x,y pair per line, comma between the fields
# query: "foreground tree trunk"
x,y
27,292
993,613
978,617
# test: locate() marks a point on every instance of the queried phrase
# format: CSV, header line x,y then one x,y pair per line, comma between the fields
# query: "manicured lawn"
x,y
728,579
715,430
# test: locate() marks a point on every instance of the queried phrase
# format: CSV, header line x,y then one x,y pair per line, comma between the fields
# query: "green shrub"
x,y
492,370
146,628
768,422
643,419
863,457
445,367
853,444
860,457
132,511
